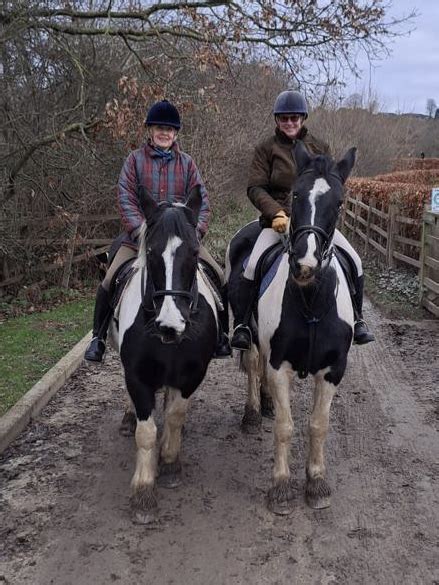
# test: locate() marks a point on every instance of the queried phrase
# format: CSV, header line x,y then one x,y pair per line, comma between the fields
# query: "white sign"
x,y
435,200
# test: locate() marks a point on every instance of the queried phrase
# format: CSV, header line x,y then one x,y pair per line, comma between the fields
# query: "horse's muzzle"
x,y
168,335
303,275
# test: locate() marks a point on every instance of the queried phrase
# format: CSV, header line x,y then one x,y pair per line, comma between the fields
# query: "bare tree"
x,y
51,52
431,107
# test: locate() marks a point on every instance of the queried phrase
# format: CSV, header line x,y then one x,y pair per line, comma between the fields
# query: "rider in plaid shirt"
x,y
167,178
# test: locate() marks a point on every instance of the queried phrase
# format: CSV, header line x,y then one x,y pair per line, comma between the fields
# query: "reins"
x,y
312,321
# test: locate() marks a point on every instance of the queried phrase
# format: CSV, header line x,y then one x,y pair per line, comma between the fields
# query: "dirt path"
x,y
64,484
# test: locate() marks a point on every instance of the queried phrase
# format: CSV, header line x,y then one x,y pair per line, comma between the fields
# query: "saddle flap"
x,y
120,280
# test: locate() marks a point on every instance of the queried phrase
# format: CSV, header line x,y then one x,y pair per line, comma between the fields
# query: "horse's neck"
x,y
319,295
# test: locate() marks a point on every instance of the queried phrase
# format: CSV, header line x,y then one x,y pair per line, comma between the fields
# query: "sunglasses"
x,y
283,118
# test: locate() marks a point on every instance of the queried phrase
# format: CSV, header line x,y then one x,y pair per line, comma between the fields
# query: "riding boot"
x,y
362,335
223,348
242,310
101,319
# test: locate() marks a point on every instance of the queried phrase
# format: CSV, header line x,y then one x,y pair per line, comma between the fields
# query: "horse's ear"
x,y
301,155
147,203
194,202
346,164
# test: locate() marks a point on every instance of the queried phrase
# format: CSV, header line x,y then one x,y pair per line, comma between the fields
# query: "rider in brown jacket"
x,y
272,173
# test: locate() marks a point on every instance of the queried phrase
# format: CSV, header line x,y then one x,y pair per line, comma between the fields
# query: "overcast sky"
x,y
404,81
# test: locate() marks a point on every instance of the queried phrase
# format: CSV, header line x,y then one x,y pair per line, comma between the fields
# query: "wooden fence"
x,y
397,240
74,247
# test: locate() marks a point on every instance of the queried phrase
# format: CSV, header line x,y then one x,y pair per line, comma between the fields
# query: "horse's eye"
x,y
295,195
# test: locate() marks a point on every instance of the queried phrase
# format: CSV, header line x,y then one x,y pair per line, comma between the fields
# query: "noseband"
x,y
154,294
323,238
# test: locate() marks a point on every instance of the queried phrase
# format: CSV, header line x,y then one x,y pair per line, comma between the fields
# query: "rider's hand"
x,y
280,222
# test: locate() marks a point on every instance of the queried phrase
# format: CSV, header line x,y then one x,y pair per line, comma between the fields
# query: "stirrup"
x,y
362,335
95,350
242,337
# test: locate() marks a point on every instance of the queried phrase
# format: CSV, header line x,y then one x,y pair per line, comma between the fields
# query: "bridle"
x,y
323,238
149,294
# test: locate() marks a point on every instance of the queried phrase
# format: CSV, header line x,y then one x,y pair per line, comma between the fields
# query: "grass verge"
x,y
31,344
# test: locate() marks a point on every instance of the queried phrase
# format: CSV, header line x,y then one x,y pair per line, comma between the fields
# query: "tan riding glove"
x,y
280,222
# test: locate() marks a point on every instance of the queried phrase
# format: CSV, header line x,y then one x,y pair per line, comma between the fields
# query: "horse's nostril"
x,y
167,334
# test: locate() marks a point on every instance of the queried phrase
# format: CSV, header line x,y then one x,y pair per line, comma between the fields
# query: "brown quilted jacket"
x,y
273,171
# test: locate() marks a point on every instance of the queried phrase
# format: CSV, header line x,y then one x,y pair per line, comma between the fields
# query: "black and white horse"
x,y
165,329
304,321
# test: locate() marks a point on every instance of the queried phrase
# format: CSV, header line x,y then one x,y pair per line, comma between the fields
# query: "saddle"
x,y
269,262
119,281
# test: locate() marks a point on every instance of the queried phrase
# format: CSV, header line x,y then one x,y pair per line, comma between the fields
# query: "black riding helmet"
x,y
163,113
290,102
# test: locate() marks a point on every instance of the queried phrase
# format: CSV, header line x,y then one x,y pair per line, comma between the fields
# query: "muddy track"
x,y
65,516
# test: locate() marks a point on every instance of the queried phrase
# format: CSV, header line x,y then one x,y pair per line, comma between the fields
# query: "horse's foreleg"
x,y
281,493
142,484
252,420
175,414
318,492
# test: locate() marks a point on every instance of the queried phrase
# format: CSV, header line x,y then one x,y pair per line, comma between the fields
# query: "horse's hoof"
x,y
251,421
145,517
144,504
267,406
170,475
128,425
280,498
318,493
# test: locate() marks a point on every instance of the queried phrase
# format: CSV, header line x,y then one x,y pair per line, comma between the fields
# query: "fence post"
x,y
369,221
70,250
391,232
422,258
358,198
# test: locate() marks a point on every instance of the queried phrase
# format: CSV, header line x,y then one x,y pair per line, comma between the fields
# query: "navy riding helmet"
x,y
290,102
163,113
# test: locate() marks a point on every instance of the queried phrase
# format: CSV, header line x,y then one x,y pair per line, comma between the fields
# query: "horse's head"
x,y
317,197
171,250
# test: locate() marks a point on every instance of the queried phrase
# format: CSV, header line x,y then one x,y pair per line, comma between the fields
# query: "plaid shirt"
x,y
165,180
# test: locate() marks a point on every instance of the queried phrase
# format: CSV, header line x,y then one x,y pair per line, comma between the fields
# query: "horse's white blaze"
x,y
279,382
320,187
170,316
319,423
343,297
146,438
175,414
310,258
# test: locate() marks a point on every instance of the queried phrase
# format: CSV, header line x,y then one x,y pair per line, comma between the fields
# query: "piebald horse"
x,y
303,322
165,329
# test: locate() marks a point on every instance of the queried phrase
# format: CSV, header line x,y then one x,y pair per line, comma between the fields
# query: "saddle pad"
x,y
207,274
268,276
